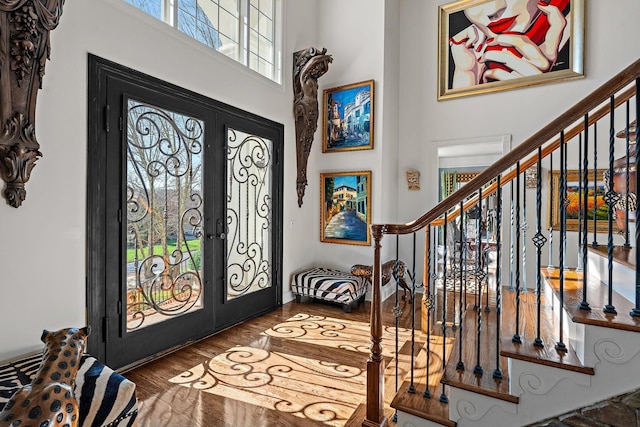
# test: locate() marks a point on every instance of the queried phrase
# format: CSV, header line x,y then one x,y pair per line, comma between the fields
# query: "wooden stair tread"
x,y
415,403
597,296
622,255
546,355
428,408
483,384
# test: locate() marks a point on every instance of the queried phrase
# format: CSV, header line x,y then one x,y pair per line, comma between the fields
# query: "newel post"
x,y
375,368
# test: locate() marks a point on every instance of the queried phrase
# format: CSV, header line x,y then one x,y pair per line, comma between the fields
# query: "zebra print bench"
x,y
105,398
329,285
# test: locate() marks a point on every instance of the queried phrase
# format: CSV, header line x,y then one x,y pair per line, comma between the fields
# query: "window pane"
x,y
266,27
265,68
249,213
266,49
253,41
152,7
187,23
230,6
253,18
163,215
210,10
229,25
229,48
266,7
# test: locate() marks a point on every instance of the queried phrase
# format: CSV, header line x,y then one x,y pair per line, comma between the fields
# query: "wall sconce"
x,y
24,50
413,179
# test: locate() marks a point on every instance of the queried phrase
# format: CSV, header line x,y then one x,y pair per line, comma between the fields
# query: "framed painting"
x,y
345,207
596,205
348,118
485,46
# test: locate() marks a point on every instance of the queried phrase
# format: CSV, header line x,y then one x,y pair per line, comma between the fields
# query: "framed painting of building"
x,y
345,207
486,47
348,117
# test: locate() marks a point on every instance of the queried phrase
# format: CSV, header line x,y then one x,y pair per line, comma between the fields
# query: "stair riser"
x,y
624,278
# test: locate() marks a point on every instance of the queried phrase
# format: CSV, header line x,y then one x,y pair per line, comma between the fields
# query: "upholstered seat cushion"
x,y
105,398
329,285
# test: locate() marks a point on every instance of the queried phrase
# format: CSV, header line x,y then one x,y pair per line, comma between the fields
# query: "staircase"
x,y
529,336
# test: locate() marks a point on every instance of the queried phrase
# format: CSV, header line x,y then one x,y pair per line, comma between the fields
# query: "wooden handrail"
x,y
531,161
538,139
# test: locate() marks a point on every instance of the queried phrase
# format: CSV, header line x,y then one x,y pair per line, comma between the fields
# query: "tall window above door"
x,y
245,30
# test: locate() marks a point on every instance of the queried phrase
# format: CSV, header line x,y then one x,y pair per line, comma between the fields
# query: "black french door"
x,y
184,215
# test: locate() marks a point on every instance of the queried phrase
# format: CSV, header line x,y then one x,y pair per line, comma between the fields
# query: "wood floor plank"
x,y
303,364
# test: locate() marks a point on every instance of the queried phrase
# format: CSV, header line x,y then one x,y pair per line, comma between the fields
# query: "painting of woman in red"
x,y
507,39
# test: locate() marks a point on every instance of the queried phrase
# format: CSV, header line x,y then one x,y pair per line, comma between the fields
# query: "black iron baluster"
x,y
479,272
497,373
611,197
538,240
412,388
397,312
579,268
460,364
627,244
560,346
595,183
461,243
550,266
636,310
428,303
516,337
584,304
443,395
524,228
511,269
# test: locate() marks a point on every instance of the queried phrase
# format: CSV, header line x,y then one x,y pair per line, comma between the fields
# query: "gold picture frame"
x,y
478,54
602,223
345,207
348,117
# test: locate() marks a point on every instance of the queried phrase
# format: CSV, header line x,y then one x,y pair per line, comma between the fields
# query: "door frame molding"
x,y
100,122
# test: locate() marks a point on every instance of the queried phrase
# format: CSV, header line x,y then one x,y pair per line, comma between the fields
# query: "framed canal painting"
x,y
484,46
345,207
596,205
348,118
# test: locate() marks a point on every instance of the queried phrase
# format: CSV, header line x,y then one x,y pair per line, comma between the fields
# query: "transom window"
x,y
245,30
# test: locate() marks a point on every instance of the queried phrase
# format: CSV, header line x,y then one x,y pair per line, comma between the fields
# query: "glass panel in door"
x,y
163,214
249,214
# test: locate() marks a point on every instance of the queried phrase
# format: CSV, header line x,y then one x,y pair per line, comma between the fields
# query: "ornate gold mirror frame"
x,y
24,49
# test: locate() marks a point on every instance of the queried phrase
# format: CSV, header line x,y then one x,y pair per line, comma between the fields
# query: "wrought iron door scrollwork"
x,y
24,49
249,211
164,202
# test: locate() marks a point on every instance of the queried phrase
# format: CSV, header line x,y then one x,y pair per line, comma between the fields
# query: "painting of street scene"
x,y
345,207
348,117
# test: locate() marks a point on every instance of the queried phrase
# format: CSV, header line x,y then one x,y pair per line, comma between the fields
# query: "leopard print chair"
x,y
49,400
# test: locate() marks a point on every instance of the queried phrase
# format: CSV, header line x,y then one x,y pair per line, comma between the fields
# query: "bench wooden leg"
x,y
298,298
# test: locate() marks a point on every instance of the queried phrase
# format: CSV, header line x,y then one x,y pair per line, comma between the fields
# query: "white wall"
x,y
42,255
362,37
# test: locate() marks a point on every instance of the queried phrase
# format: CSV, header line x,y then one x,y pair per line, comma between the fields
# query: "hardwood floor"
x,y
301,365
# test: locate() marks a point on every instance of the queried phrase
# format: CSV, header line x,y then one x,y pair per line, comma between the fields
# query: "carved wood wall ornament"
x,y
24,49
308,65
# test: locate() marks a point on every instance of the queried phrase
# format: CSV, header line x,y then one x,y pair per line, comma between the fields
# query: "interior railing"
x,y
471,249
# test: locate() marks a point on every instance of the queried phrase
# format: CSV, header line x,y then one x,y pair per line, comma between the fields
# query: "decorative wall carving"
x,y
25,46
308,65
